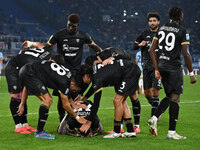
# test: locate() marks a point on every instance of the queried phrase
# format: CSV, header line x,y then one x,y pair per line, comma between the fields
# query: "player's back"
x,y
111,74
112,51
31,55
171,36
52,75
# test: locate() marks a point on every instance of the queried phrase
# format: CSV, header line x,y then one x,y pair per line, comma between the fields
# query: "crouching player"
x,y
70,126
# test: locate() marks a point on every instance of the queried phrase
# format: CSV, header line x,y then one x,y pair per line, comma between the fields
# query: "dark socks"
x,y
173,115
136,111
43,115
117,125
14,105
129,124
162,106
154,105
61,110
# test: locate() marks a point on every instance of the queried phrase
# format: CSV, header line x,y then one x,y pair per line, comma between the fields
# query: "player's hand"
x,y
85,127
193,79
78,98
25,43
82,120
108,61
157,75
143,43
20,110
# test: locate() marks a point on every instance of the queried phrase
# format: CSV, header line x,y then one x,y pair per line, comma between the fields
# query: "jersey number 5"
x,y
169,40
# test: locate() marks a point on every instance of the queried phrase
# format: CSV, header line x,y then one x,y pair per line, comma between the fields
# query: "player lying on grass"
x,y
39,76
27,55
70,126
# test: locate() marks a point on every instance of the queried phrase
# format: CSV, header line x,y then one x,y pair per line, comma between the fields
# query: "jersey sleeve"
x,y
156,36
52,40
88,39
97,85
137,42
185,37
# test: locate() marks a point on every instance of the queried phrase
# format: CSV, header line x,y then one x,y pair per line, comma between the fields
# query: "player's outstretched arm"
x,y
33,44
95,47
188,62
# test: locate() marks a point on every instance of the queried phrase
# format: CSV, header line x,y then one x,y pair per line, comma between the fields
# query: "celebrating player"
x,y
70,43
106,57
151,84
15,87
171,39
39,76
123,75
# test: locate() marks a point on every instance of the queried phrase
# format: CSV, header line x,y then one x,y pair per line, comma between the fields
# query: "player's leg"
x,y
128,121
43,115
118,99
136,106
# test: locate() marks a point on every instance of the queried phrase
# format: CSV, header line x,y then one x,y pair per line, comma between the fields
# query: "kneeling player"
x,y
70,126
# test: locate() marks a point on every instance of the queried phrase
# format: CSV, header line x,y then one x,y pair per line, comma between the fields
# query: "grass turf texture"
x,y
188,125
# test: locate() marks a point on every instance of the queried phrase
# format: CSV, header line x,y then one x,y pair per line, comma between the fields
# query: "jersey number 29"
x,y
169,40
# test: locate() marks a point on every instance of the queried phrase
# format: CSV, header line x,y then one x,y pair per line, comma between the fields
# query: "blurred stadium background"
x,y
110,23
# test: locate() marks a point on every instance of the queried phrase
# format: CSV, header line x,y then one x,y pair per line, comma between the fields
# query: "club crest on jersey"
x,y
187,37
67,91
77,40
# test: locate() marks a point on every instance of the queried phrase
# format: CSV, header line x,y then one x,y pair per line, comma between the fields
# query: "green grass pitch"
x,y
188,125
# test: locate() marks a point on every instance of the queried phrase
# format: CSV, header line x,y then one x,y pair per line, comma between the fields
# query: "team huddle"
x,y
35,69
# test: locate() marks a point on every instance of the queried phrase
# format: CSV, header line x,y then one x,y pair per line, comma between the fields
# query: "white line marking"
x,y
105,108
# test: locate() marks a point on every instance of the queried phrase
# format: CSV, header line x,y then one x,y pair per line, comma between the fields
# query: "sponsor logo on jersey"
x,y
14,87
67,91
187,37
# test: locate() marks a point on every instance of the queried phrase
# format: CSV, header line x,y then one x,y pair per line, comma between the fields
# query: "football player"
x,y
107,56
39,76
171,40
151,84
70,41
70,126
123,75
27,55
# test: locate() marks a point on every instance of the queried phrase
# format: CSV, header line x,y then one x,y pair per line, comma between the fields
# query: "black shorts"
x,y
149,80
129,83
12,77
31,81
172,82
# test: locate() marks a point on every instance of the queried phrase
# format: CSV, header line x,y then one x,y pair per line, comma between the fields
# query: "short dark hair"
x,y
59,59
77,78
153,14
74,18
86,69
175,13
90,60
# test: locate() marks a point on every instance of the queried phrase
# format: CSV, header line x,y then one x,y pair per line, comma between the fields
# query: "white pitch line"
x,y
105,108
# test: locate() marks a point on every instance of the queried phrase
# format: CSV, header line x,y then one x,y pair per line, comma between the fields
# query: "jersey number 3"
x,y
169,40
